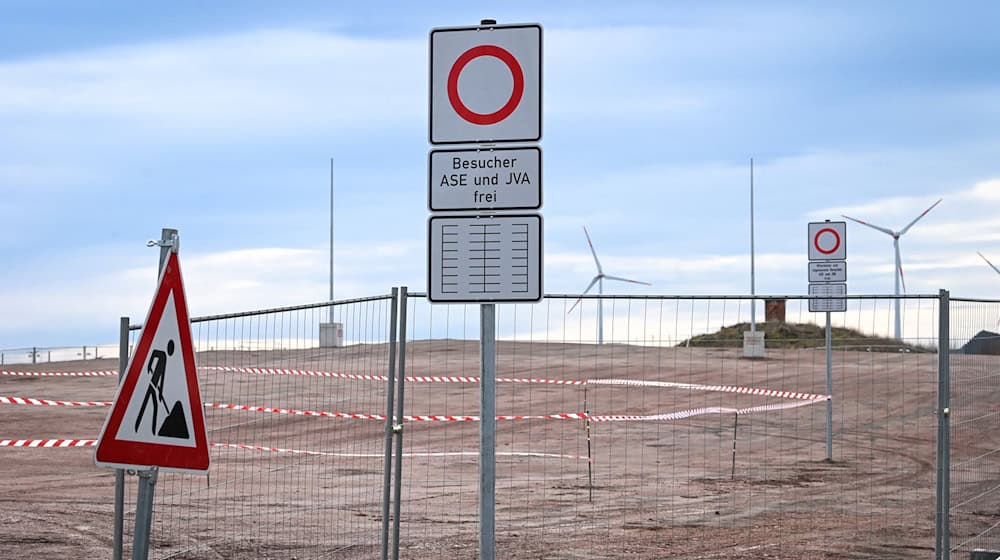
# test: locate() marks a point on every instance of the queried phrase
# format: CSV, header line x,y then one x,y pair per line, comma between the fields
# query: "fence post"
x,y
397,506
389,423
34,354
119,521
942,530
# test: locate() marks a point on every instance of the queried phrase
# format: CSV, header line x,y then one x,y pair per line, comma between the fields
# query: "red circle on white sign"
x,y
836,241
515,95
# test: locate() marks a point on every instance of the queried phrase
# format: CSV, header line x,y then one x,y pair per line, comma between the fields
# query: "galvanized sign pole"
x,y
829,389
168,243
487,430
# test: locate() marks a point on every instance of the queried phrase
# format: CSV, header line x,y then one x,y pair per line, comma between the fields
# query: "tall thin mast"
x,y
753,288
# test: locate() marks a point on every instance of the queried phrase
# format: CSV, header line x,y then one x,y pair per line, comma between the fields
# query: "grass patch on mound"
x,y
801,335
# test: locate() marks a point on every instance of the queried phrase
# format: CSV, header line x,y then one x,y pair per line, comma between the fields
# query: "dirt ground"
x,y
651,489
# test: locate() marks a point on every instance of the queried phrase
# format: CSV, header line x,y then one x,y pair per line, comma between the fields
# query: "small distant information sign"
x,y
485,258
827,249
828,271
485,179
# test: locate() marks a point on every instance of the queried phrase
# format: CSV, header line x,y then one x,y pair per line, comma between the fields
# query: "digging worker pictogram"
x,y
174,425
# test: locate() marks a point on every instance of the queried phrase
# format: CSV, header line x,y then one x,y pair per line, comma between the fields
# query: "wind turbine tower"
x,y
899,263
599,280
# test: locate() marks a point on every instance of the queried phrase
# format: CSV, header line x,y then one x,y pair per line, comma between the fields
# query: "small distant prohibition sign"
x,y
820,247
157,419
515,95
827,241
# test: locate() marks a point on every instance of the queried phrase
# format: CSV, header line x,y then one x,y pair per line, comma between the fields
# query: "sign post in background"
x,y
827,242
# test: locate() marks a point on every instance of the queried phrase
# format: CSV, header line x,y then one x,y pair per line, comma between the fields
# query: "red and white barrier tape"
x,y
416,418
409,379
447,417
467,379
712,388
59,373
319,413
47,402
47,442
283,371
43,443
450,418
292,411
682,414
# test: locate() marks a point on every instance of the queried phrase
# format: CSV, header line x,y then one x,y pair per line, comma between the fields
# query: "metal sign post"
x,y
169,242
487,430
829,389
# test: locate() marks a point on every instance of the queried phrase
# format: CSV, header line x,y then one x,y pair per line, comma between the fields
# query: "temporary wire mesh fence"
x,y
664,440
297,436
975,425
49,354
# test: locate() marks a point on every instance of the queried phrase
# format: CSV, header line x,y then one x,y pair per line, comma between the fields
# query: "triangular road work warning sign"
x,y
157,417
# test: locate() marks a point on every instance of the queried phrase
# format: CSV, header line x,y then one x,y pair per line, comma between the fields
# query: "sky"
x,y
221,119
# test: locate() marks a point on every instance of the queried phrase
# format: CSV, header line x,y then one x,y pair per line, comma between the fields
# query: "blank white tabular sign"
x,y
485,258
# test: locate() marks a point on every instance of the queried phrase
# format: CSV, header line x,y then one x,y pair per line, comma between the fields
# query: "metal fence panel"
x,y
297,435
975,425
664,440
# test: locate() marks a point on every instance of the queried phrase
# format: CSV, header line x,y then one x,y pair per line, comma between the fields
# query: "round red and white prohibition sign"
x,y
515,95
828,245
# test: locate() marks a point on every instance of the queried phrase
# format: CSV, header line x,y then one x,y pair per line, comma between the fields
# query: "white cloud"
x,y
295,81
273,80
220,282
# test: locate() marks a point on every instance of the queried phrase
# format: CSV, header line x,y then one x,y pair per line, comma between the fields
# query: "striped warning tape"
x,y
292,411
47,402
678,415
682,414
415,418
318,413
47,442
59,373
471,379
450,418
305,372
409,379
712,388
43,443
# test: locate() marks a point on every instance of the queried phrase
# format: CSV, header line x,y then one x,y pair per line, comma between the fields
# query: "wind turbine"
x,y
599,280
899,264
993,266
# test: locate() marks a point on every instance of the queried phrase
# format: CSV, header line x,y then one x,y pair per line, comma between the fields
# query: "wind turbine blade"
x,y
579,299
880,228
592,251
620,279
902,278
922,214
989,263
